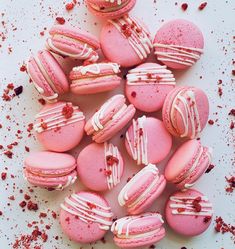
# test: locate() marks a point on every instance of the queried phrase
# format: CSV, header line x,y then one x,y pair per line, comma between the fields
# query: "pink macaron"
x,y
60,126
102,162
73,42
147,86
189,213
138,231
85,217
126,41
185,111
110,118
95,78
147,140
110,8
179,44
50,169
188,164
142,190
47,76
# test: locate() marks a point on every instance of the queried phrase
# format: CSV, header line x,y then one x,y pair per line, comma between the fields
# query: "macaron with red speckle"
x,y
47,76
142,190
147,140
50,170
185,111
110,8
138,231
73,42
102,162
148,85
110,118
179,44
85,217
95,78
126,41
188,164
189,213
60,126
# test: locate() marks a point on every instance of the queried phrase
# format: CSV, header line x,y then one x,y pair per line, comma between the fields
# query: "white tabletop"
x,y
29,18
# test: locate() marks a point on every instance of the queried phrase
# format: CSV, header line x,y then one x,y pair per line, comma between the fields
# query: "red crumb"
x,y
3,175
67,111
211,122
141,132
69,6
27,149
43,125
222,227
220,91
207,219
180,210
42,101
211,166
232,125
91,205
184,6
23,68
111,160
32,206
231,181
133,94
232,112
60,20
202,6
196,204
107,172
22,204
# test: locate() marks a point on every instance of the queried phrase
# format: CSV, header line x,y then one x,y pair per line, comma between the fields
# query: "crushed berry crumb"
x,y
211,166
202,6
60,20
18,90
184,6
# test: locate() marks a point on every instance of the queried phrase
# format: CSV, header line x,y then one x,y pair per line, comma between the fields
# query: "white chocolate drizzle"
x,y
79,206
53,117
185,203
71,180
115,177
139,145
119,2
123,196
159,75
191,116
140,41
125,222
175,53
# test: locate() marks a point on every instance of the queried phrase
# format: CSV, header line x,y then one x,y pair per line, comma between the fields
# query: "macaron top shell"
x,y
179,44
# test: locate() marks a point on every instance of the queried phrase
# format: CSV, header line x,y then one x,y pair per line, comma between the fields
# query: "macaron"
x,y
47,76
110,8
73,42
185,111
95,78
138,230
110,118
102,162
188,164
126,41
85,217
142,190
147,140
179,44
189,213
50,170
148,85
60,126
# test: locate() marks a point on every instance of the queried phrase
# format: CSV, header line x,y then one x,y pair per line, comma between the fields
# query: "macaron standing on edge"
x,y
147,140
188,164
95,78
73,42
189,213
85,217
142,190
179,44
185,111
60,126
110,8
47,76
50,170
148,85
100,166
111,117
138,230
126,41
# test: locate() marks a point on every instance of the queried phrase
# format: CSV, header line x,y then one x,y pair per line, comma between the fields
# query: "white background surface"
x,y
30,17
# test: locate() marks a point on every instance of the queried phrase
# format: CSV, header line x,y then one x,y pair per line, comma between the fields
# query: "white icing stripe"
x,y
139,145
186,203
159,75
175,52
83,55
140,41
119,2
96,68
115,177
123,196
71,180
125,222
78,206
56,119
191,116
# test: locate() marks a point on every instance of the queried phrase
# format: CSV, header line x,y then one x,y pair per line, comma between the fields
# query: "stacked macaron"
x,y
60,126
